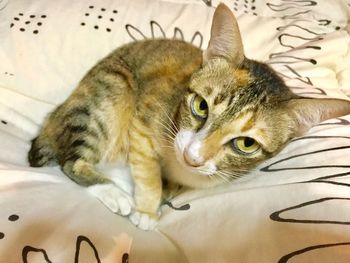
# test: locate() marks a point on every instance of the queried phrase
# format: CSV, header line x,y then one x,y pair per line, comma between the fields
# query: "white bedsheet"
x,y
293,208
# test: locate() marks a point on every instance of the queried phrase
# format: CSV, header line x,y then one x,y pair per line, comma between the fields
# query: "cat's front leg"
x,y
146,173
113,197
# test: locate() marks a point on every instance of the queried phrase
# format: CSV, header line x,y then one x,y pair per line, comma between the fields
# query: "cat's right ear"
x,y
308,112
225,38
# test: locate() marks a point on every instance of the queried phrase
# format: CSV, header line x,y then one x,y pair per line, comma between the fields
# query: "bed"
x,y
293,208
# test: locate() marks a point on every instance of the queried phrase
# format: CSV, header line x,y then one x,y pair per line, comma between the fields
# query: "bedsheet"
x,y
294,208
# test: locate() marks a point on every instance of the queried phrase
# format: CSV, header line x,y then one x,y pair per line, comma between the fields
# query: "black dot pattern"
x,y
99,18
28,22
8,74
245,6
11,218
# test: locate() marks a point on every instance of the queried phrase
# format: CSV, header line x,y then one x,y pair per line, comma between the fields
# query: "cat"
x,y
172,111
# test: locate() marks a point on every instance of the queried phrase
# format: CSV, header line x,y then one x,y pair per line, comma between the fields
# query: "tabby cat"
x,y
171,111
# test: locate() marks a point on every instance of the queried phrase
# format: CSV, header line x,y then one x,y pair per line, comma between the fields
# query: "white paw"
x,y
143,221
117,200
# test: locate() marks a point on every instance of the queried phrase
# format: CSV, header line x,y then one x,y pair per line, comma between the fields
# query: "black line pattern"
x,y
28,249
294,254
3,4
158,32
293,7
181,208
80,240
125,258
276,216
269,169
296,32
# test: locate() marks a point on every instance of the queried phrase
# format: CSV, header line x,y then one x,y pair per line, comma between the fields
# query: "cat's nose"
x,y
192,157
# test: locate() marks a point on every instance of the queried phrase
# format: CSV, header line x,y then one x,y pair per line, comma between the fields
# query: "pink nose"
x,y
191,161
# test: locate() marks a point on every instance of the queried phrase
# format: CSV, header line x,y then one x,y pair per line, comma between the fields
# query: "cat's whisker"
x,y
231,175
170,137
166,147
222,177
173,125
171,128
215,176
167,128
171,131
167,115
167,142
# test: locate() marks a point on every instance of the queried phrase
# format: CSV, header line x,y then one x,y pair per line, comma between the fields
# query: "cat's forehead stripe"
x,y
220,98
248,124
208,90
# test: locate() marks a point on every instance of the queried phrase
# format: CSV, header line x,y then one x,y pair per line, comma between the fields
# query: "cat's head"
x,y
238,112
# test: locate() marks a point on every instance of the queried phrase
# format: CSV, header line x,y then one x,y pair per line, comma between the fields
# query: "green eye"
x,y
245,145
199,107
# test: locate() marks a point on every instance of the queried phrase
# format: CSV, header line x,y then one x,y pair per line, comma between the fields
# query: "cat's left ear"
x,y
309,112
225,38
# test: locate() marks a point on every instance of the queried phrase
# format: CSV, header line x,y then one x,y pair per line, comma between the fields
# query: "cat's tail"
x,y
41,153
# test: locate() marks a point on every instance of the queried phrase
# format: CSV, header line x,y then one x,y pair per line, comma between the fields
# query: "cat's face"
x,y
231,119
238,112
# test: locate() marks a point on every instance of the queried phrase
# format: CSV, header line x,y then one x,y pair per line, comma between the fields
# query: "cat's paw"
x,y
117,200
144,221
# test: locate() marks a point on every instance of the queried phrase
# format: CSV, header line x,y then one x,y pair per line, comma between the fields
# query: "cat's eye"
x,y
245,145
199,107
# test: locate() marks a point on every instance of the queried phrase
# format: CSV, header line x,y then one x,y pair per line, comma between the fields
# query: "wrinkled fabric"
x,y
293,208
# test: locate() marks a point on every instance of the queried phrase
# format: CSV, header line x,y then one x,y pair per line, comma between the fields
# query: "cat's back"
x,y
158,57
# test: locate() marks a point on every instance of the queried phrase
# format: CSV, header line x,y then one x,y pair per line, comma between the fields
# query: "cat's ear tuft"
x,y
225,39
309,112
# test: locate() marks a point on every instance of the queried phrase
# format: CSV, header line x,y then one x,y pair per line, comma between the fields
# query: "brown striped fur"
x,y
135,104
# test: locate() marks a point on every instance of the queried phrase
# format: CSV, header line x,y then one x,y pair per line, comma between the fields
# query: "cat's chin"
x,y
178,171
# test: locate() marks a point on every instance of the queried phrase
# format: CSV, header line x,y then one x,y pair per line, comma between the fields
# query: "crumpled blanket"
x,y
293,208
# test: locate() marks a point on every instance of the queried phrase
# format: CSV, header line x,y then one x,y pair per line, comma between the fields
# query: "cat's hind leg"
x,y
41,152
112,196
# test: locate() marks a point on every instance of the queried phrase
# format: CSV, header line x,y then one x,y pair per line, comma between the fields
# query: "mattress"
x,y
294,207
